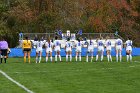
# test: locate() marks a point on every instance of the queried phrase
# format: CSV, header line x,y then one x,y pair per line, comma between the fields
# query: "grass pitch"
x,y
74,77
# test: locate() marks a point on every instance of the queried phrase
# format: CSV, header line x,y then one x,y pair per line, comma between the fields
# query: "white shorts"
x,y
90,49
68,49
57,49
108,48
118,47
128,48
39,50
78,49
48,50
101,48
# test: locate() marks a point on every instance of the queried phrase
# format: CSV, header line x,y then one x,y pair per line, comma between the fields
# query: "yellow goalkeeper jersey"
x,y
26,44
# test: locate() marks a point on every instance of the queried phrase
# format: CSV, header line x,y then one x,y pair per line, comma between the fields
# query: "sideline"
x,y
17,83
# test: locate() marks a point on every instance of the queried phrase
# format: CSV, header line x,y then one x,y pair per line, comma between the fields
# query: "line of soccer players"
x,y
78,45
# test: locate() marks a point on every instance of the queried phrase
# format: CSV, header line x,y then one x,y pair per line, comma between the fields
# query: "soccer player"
x,y
128,44
68,49
108,49
26,46
90,45
3,49
39,48
100,47
118,46
49,46
78,49
57,49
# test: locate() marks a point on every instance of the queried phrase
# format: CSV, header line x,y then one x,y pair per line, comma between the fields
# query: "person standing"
x,y
118,46
26,46
108,49
78,49
3,49
68,48
49,46
128,45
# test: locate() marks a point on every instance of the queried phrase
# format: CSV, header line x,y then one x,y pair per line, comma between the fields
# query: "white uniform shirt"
x,y
68,46
100,45
108,45
128,45
57,45
78,46
39,45
49,46
119,44
90,45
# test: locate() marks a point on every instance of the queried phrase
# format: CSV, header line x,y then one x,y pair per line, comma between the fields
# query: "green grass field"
x,y
74,77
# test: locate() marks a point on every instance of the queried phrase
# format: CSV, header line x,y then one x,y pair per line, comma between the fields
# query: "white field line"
x,y
17,83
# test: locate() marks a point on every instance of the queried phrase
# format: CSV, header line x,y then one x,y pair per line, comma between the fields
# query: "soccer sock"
x,y
39,59
110,58
29,59
102,57
66,57
51,58
127,57
55,57
117,57
36,59
96,57
1,60
70,57
59,57
130,57
24,59
87,58
5,60
46,59
76,57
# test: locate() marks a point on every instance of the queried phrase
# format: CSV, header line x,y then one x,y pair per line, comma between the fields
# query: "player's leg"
x,y
102,55
130,55
108,55
127,55
5,55
97,55
76,55
1,55
80,56
87,56
116,55
91,52
51,56
29,56
25,54
47,54
66,56
70,54
36,56
40,55
59,55
120,54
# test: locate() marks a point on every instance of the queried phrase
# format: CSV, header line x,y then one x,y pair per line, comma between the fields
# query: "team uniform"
x,y
128,48
49,47
78,49
100,47
68,49
39,48
90,48
57,49
3,50
26,46
108,48
119,44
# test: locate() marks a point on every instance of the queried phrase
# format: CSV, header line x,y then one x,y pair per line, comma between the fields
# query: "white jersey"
x,y
78,46
39,45
100,45
68,46
90,45
57,45
119,44
128,45
49,47
108,45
